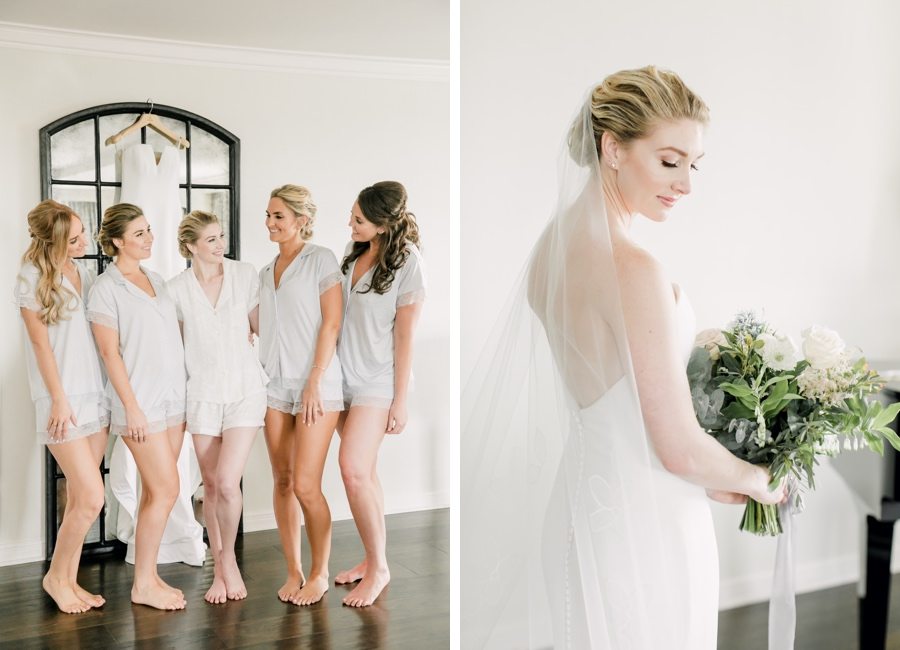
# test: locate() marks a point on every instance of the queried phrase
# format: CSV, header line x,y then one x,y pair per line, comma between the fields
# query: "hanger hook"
x,y
150,102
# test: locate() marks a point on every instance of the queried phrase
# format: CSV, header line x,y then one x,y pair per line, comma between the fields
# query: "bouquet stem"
x,y
761,519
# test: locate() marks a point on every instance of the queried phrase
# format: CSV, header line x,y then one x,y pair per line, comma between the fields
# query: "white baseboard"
x,y
265,520
810,576
21,553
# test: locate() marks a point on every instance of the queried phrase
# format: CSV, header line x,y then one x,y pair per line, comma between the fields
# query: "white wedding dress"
x,y
573,535
153,187
584,592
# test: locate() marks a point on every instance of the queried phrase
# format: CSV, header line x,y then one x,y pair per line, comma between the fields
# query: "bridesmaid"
x,y
300,319
384,287
217,304
66,384
137,333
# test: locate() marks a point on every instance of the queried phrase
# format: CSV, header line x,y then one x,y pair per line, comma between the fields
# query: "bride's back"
x,y
572,288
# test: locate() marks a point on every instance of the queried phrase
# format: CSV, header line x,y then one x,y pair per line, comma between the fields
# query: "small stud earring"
x,y
614,165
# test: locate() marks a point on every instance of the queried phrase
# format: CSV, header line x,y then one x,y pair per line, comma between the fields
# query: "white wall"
x,y
334,134
794,208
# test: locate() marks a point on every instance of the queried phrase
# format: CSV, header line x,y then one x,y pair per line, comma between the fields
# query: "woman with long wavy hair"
x,y
384,287
66,384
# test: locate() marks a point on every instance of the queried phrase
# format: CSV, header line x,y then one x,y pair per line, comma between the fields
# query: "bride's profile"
x,y
585,477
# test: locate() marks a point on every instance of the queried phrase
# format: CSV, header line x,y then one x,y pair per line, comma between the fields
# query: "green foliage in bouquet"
x,y
756,395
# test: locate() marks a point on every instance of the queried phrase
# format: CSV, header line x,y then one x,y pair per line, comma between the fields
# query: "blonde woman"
x,y
217,302
66,384
384,288
299,321
136,330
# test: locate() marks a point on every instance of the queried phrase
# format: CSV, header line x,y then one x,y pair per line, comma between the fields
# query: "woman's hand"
x,y
136,424
311,406
61,415
724,496
759,490
397,417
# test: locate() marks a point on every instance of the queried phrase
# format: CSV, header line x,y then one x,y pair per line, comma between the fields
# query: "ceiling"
x,y
417,29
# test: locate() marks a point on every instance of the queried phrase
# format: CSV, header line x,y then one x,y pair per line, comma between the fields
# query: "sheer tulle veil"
x,y
564,543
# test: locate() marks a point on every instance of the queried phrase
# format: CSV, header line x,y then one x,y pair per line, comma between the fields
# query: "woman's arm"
x,y
404,329
254,321
331,303
682,446
108,345
60,411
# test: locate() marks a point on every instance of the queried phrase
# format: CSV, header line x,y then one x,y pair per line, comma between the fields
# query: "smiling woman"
x,y
623,553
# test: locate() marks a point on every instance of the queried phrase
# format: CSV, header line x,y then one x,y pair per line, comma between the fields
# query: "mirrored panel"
x,y
209,164
109,155
82,199
219,203
73,153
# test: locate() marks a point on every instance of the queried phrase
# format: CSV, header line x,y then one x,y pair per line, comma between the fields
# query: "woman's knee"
x,y
229,490
307,490
283,479
88,502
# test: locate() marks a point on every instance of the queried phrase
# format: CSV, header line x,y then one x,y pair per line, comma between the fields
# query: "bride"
x,y
585,523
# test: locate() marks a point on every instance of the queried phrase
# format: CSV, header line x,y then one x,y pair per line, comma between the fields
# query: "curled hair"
x,y
49,223
299,200
190,228
629,104
115,222
384,204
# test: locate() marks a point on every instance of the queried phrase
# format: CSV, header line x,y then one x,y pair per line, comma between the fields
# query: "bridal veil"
x,y
564,540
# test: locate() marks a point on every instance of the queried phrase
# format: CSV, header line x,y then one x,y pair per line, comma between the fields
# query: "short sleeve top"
x,y
149,337
291,315
366,345
70,338
222,366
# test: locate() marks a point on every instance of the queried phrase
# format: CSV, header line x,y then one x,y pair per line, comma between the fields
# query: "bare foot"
x,y
369,588
64,596
312,591
291,587
234,583
165,585
351,575
216,593
157,597
94,600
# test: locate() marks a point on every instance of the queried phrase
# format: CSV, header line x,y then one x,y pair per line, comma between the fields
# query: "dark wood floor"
x,y
413,612
826,620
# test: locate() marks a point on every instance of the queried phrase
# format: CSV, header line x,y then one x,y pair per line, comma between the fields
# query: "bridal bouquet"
x,y
770,405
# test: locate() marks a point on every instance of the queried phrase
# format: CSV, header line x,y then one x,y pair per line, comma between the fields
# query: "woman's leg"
x,y
361,438
208,450
97,444
85,500
236,444
348,576
279,433
159,490
309,463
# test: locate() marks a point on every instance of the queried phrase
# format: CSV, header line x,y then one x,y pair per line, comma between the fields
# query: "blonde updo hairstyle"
x,y
299,200
631,103
190,228
115,222
48,224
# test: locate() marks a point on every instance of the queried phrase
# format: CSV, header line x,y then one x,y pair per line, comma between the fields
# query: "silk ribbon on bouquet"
x,y
782,604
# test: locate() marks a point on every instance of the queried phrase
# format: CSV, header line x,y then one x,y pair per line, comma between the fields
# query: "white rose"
x,y
779,351
711,339
822,347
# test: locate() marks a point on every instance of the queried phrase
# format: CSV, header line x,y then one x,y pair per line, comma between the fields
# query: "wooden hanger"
x,y
151,120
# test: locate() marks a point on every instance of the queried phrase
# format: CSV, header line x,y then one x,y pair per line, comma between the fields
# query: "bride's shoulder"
x,y
638,271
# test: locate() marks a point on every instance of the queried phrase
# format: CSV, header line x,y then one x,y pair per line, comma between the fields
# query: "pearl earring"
x,y
614,165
